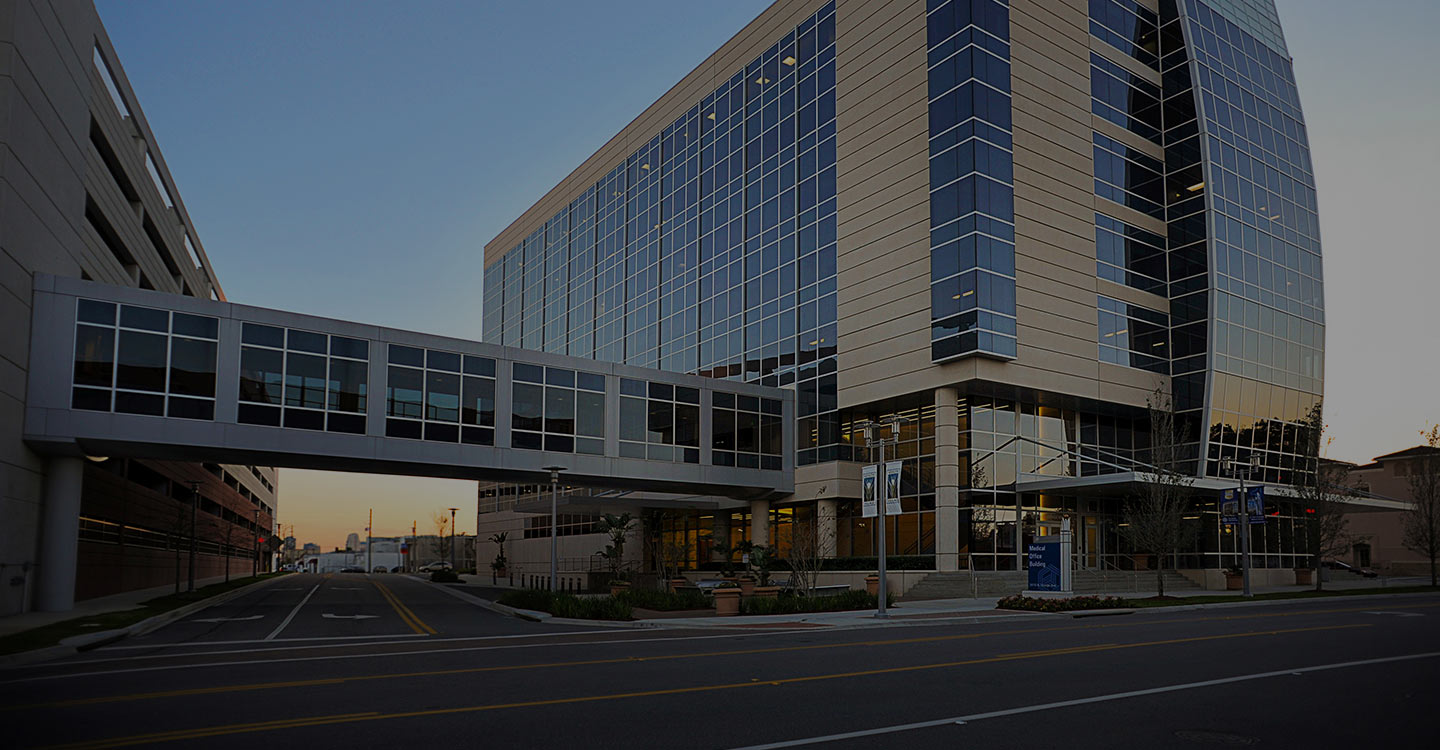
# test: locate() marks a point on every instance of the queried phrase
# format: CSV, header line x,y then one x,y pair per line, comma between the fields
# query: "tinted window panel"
x,y
95,356
192,367
263,335
141,362
261,375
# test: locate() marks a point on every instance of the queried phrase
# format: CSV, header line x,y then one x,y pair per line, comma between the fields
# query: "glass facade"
x,y
709,250
1264,245
972,188
440,396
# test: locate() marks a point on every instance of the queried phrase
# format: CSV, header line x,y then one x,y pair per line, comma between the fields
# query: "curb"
x,y
86,641
1079,613
1273,602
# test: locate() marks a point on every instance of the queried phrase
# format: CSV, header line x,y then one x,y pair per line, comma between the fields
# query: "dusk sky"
x,y
352,159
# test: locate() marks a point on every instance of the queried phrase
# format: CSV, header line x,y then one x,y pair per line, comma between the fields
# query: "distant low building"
x,y
1377,536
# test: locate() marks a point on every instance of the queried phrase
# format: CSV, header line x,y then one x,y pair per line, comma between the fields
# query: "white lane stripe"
x,y
1078,702
292,614
377,640
398,653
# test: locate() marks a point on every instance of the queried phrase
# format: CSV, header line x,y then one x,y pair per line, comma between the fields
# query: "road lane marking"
x,y
727,635
329,616
378,641
408,616
292,614
231,729
583,663
960,720
229,619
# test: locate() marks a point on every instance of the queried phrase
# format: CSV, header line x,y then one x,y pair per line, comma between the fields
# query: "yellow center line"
x,y
627,659
232,729
409,617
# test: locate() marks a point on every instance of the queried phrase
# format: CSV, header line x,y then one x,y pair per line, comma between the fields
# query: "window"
x,y
139,360
746,431
1134,336
439,396
1129,255
659,421
555,409
302,379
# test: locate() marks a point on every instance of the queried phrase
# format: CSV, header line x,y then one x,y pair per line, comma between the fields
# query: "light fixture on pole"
x,y
868,430
1242,514
452,537
554,516
194,504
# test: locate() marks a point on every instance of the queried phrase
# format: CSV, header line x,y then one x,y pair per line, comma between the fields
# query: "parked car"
x,y
352,569
435,566
1338,565
381,569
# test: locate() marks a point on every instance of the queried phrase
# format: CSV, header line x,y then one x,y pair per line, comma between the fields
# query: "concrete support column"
x,y
947,480
60,534
760,522
719,532
826,528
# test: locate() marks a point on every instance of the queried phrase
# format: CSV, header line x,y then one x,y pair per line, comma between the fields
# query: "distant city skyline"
x,y
351,161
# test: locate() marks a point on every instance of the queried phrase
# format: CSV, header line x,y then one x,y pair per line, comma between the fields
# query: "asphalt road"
x,y
1339,672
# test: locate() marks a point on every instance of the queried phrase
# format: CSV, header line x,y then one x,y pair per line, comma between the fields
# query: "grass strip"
x,y
52,634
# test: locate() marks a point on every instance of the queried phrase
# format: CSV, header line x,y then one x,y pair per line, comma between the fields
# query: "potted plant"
x,y
762,561
677,583
1304,576
1234,578
727,599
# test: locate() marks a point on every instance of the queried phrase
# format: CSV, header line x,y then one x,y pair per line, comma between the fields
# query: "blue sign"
x,y
1044,566
1254,506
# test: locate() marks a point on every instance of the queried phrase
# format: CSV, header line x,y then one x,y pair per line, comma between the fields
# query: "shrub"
x,y
562,604
786,603
664,600
444,576
1022,602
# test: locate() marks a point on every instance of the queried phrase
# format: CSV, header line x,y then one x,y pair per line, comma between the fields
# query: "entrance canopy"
x,y
116,371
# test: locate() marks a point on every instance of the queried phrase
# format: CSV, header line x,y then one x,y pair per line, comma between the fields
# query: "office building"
x,y
1008,223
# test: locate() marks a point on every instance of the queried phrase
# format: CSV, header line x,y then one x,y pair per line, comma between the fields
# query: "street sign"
x,y
892,488
1254,505
869,508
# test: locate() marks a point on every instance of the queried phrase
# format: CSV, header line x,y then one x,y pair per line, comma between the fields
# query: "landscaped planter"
x,y
1234,582
767,592
727,602
676,584
747,585
872,585
618,586
1304,576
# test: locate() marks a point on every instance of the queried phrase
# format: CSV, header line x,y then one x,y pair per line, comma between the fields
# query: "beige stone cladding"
x,y
883,184
751,41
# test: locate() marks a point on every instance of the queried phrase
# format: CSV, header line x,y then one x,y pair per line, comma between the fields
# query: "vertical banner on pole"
x,y
869,508
892,488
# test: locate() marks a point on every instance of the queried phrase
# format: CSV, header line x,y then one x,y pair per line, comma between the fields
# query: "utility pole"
x,y
194,505
452,538
414,549
370,542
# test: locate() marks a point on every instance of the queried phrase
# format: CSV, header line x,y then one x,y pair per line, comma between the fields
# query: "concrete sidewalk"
x,y
94,607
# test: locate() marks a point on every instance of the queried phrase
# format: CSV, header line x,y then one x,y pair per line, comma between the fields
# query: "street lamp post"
x,y
452,538
255,554
194,504
554,518
880,489
1242,516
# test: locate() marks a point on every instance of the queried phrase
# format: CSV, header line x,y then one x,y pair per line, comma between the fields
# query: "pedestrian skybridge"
x,y
116,371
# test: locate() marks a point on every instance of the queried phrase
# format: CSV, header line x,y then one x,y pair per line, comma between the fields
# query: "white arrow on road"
x,y
230,619
329,616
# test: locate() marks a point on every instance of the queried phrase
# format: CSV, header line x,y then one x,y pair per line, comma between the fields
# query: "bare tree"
x,y
1156,515
1422,521
1321,488
808,541
442,527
